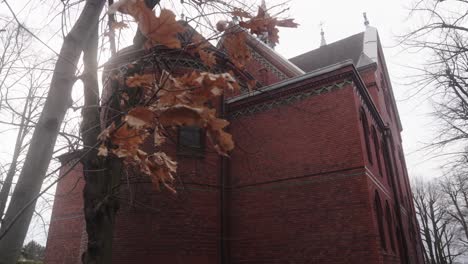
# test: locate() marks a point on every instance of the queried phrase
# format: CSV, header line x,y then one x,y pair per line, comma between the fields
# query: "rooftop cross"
x,y
366,21
323,42
264,7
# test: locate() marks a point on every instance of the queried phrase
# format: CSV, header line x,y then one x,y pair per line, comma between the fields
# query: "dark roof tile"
x,y
345,49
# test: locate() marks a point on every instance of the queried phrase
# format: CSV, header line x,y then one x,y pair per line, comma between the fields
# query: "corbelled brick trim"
x,y
286,100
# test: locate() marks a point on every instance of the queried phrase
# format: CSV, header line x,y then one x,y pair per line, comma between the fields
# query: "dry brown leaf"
x,y
287,23
262,23
140,117
223,142
198,43
105,134
240,13
102,151
163,30
182,115
118,25
235,44
158,30
208,58
128,141
195,88
137,80
160,168
159,138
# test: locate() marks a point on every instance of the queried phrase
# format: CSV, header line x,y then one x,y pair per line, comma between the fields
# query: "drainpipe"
x,y
223,212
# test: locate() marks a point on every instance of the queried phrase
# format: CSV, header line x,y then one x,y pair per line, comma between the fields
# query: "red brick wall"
x,y
65,232
380,90
318,134
299,193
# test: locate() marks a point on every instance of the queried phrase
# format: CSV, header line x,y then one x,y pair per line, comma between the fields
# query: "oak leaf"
x,y
137,80
158,30
264,23
158,137
140,117
162,30
222,140
102,151
105,134
160,168
116,25
128,140
208,58
234,43
182,115
287,23
241,13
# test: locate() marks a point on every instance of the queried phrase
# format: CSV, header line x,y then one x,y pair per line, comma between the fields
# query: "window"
x,y
375,139
387,162
390,225
190,141
379,216
365,129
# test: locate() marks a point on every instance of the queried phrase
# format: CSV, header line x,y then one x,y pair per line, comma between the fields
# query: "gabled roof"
x,y
350,48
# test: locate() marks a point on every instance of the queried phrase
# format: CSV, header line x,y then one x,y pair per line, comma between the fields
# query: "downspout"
x,y
223,242
404,257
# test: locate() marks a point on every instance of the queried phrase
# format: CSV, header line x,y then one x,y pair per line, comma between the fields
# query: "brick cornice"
x,y
310,81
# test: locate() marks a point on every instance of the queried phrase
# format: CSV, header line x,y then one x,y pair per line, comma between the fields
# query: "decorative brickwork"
x,y
268,65
288,99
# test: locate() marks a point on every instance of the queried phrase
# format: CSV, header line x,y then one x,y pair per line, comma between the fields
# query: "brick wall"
x,y
65,232
299,193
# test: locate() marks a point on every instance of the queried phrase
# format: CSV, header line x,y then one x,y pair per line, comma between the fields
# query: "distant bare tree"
x,y
22,83
33,251
455,188
442,204
439,233
443,36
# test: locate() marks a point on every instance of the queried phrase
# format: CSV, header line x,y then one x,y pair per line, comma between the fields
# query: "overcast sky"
x,y
340,18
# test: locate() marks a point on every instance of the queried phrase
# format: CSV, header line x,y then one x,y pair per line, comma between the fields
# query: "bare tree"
x,y
455,188
21,207
23,77
443,37
440,234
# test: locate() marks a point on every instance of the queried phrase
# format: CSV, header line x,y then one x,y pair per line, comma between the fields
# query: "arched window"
x,y
377,149
387,163
365,129
390,226
379,216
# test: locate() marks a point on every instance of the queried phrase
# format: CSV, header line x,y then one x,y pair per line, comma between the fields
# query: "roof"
x,y
350,48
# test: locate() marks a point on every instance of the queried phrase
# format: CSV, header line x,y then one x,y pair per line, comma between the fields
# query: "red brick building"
x,y
317,176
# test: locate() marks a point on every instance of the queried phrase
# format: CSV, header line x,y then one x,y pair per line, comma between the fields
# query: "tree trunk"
x,y
102,175
5,191
21,208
